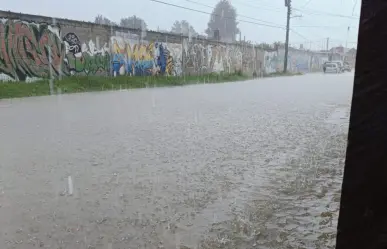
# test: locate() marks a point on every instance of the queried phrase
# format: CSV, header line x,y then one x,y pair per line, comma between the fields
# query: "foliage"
x,y
277,74
279,44
100,19
133,22
265,46
183,27
223,19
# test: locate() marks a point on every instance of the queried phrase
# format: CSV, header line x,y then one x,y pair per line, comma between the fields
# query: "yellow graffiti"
x,y
169,68
135,52
140,52
116,47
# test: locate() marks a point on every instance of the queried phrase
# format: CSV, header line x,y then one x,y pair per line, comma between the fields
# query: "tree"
x,y
223,20
183,27
278,44
265,46
133,22
100,19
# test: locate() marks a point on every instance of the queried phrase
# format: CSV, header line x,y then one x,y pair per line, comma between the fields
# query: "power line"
x,y
353,9
299,34
302,9
340,41
312,41
316,12
252,18
208,13
262,7
306,4
318,26
261,1
204,12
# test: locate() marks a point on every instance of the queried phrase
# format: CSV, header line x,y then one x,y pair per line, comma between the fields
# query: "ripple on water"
x,y
301,212
223,166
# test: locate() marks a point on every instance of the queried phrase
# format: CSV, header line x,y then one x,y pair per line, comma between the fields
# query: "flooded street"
x,y
255,164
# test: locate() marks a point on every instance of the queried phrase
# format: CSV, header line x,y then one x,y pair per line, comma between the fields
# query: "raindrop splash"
x,y
51,76
70,185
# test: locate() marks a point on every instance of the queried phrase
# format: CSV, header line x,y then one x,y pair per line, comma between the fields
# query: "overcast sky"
x,y
320,18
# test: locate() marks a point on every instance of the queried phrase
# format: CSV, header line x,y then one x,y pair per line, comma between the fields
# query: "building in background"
x,y
350,57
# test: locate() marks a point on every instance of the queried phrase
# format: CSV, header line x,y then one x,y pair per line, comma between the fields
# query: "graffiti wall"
x,y
299,61
83,58
33,47
201,58
29,50
133,57
36,49
272,62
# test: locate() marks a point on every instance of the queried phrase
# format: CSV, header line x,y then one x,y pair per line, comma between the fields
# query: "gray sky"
x,y
327,18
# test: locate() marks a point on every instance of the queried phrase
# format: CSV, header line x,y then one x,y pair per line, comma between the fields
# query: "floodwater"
x,y
255,164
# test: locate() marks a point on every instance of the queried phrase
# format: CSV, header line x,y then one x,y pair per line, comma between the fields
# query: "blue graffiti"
x,y
298,63
162,57
132,67
302,67
142,68
118,62
122,65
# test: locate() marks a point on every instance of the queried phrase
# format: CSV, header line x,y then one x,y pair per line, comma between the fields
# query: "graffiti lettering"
x,y
38,50
131,58
87,64
26,50
74,43
85,59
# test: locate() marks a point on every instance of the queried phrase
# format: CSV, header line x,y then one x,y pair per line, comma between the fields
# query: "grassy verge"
x,y
278,74
78,84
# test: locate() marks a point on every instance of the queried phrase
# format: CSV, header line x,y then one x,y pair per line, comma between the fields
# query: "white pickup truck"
x,y
340,65
347,67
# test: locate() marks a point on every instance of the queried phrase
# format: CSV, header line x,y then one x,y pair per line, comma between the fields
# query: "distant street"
x,y
255,164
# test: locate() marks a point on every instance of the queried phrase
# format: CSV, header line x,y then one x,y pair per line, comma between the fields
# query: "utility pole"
x,y
329,54
346,41
288,5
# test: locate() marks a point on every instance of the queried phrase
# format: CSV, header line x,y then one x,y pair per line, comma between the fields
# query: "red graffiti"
x,y
25,50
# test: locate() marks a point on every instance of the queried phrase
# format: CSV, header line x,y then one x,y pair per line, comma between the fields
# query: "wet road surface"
x,y
255,164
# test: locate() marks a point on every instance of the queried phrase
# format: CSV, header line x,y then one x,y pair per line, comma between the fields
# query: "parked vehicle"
x,y
332,68
340,64
324,65
347,67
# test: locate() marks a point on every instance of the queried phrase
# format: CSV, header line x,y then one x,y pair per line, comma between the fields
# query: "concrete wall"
x,y
33,47
299,61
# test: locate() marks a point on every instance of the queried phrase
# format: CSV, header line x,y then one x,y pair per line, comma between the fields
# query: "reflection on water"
x,y
298,209
244,165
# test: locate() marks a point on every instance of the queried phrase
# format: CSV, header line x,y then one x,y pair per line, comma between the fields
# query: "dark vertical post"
x,y
346,40
288,5
363,209
182,55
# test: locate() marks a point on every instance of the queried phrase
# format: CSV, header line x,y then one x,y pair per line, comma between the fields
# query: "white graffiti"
x,y
176,51
271,62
